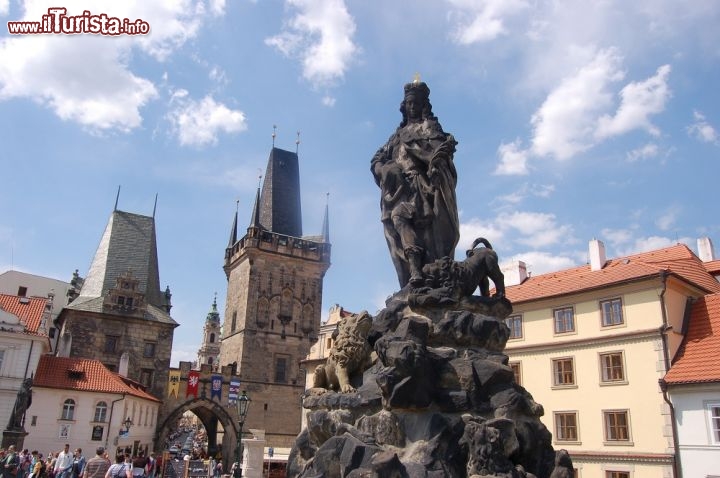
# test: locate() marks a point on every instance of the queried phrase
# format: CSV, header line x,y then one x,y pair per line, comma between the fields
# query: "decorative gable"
x,y
126,297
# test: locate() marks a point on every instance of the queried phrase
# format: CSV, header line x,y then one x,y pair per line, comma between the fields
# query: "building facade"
x,y
57,292
274,298
80,402
693,387
24,322
591,344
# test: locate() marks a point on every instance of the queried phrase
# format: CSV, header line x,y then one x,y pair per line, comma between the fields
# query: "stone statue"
x,y
446,281
350,354
417,178
22,403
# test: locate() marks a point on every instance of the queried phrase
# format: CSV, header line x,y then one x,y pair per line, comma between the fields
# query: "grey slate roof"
x,y
128,243
280,210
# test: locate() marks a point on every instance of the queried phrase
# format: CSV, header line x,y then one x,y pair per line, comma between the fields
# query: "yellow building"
x,y
591,343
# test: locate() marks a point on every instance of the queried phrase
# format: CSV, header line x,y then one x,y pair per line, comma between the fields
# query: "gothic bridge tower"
x,y
274,300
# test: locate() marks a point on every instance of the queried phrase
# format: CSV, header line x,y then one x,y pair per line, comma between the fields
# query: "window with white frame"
x,y
566,426
611,311
713,410
617,425
2,358
612,367
514,322
563,372
100,412
68,410
564,320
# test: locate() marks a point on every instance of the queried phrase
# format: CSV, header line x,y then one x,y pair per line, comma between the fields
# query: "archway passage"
x,y
219,423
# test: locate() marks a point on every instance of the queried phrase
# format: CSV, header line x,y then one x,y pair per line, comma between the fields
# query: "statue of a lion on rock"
x,y
350,354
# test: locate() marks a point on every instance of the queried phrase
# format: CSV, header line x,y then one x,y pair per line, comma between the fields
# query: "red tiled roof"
x,y
713,267
28,309
697,360
678,260
86,375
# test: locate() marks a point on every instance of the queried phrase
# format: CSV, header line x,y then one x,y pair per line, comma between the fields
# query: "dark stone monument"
x,y
15,432
424,389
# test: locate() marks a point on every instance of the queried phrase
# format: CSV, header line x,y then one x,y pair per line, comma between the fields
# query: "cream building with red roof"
x,y
693,385
591,344
80,402
24,322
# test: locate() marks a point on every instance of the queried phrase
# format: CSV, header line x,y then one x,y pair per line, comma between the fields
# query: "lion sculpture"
x,y
351,354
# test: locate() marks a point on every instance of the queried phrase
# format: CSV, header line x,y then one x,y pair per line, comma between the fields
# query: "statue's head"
x,y
416,103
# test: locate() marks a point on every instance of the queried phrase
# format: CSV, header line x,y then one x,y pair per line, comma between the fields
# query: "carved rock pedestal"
x,y
440,401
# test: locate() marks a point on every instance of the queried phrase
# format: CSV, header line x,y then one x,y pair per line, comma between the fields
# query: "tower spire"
x,y
255,220
233,229
273,135
297,143
326,220
117,198
155,205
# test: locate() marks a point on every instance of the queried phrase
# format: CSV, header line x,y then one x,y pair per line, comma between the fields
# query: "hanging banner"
x,y
216,387
174,383
234,390
192,383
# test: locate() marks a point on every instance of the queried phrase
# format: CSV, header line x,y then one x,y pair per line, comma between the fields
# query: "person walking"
x,y
10,463
120,469
64,463
78,464
97,466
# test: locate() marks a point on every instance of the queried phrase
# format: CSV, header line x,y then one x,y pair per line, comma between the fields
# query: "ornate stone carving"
x,y
350,355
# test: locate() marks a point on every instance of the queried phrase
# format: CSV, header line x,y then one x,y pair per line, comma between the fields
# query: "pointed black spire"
x,y
326,220
255,219
155,205
279,204
233,229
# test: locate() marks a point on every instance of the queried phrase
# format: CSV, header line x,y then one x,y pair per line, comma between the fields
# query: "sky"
x,y
575,120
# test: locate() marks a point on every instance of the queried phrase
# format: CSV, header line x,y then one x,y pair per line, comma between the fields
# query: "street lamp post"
x,y
242,404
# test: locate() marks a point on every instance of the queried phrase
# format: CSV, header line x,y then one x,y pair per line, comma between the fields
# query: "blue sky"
x,y
575,120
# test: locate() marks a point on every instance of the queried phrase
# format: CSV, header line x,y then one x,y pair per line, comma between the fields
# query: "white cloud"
x,y
702,130
617,237
666,220
639,101
513,159
328,101
645,244
482,21
564,124
4,7
321,35
85,78
649,150
542,262
524,191
198,123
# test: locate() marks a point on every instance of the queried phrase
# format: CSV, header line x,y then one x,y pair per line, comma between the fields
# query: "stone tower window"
x,y
212,338
281,369
234,322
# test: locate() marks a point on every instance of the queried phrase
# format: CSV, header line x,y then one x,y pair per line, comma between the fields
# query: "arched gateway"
x,y
206,393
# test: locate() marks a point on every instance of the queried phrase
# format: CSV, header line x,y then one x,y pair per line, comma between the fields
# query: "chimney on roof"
x,y
597,255
124,364
706,252
515,272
